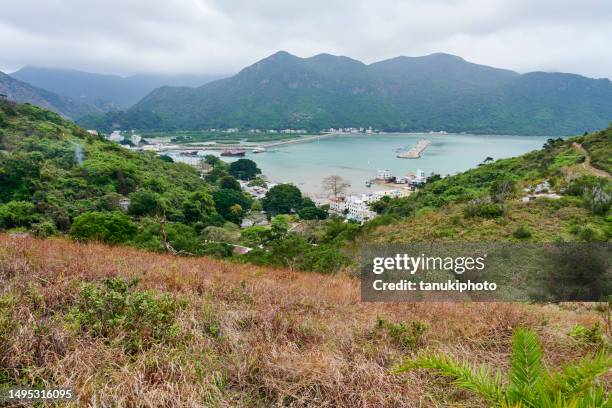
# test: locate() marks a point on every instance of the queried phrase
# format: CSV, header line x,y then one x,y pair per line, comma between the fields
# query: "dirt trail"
x,y
587,162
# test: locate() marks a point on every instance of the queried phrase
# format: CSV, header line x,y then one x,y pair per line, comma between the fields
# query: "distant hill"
x,y
19,91
108,92
434,92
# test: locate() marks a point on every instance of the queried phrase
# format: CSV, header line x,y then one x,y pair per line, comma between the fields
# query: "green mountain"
x,y
19,91
434,92
108,92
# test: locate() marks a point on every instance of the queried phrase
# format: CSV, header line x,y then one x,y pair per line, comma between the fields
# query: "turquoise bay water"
x,y
357,157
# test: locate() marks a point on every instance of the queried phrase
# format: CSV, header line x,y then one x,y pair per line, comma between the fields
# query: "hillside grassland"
x,y
237,334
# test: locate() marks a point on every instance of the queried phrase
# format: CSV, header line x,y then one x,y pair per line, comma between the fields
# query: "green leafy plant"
x,y
529,383
408,337
115,310
588,337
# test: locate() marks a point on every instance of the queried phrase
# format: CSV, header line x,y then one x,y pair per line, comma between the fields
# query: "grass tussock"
x,y
131,328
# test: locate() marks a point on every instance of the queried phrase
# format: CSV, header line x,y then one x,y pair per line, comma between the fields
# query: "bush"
x,y
482,208
324,259
17,214
110,227
216,250
521,233
407,337
44,229
587,337
599,199
145,202
116,311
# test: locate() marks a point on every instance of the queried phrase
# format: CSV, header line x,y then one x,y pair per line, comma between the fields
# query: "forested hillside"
x,y
431,93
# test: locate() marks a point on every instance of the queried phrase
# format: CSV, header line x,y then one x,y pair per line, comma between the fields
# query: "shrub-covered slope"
x,y
199,332
561,192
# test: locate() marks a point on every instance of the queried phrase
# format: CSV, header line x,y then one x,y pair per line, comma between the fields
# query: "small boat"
x,y
233,153
259,150
368,183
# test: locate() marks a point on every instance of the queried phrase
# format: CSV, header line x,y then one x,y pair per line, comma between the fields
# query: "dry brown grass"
x,y
285,339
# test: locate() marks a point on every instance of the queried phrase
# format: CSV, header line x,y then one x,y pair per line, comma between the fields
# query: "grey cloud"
x,y
222,36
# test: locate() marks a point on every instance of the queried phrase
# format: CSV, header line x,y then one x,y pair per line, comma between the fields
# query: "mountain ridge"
x,y
105,91
429,93
23,92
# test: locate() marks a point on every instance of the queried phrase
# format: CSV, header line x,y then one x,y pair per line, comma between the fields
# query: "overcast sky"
x,y
223,36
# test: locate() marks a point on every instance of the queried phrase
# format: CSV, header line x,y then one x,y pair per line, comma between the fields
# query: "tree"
x,y
312,213
166,158
226,201
111,227
335,185
282,199
17,214
230,182
145,202
529,383
212,160
198,207
244,169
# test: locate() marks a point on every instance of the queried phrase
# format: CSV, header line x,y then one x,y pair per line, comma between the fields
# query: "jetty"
x,y
415,152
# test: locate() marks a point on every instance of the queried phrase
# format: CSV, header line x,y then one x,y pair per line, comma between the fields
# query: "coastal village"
x,y
354,207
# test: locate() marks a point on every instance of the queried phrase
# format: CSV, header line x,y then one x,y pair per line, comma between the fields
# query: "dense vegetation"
x,y
435,92
59,179
485,202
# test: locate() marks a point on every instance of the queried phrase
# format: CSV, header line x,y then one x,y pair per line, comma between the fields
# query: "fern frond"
x,y
525,373
481,380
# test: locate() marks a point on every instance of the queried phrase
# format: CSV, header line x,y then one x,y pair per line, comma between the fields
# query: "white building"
x,y
384,174
357,207
135,139
116,136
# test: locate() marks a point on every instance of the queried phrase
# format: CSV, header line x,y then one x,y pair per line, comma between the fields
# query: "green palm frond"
x,y
529,384
579,380
481,380
525,373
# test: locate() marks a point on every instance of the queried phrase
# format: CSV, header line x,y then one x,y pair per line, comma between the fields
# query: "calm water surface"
x,y
357,157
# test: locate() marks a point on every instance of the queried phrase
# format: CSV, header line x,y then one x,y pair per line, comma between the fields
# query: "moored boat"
x,y
234,153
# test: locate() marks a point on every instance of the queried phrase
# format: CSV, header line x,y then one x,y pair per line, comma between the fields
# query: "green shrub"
x,y
216,250
483,209
407,337
599,199
116,311
521,232
587,337
324,259
110,227
16,214
529,383
145,202
44,229
312,213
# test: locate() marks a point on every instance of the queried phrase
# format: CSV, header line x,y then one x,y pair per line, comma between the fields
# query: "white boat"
x,y
259,150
